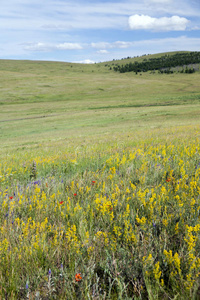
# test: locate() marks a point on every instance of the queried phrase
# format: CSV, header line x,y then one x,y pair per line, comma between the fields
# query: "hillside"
x,y
183,62
41,100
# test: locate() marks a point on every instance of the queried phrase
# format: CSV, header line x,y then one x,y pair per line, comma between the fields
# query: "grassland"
x,y
40,100
99,183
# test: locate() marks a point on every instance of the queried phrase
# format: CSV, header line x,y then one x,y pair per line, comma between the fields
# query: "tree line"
x,y
163,64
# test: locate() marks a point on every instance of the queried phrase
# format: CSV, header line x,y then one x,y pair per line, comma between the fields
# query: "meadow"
x,y
99,183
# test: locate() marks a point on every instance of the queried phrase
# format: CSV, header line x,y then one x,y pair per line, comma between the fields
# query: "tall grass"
x,y
111,220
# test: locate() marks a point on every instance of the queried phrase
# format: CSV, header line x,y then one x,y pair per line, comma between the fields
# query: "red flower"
x,y
93,182
168,179
61,202
75,194
110,208
11,197
78,277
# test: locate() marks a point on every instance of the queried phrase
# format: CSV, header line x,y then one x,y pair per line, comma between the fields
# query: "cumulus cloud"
x,y
144,22
51,47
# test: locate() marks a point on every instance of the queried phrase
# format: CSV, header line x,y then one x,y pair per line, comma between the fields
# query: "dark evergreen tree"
x,y
163,63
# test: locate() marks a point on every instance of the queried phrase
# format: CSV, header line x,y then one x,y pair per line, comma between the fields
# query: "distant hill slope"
x,y
181,61
44,101
136,64
187,62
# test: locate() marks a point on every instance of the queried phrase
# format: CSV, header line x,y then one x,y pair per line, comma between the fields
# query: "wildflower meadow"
x,y
112,220
99,182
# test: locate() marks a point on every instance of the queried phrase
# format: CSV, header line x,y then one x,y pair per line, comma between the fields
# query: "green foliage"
x,y
163,63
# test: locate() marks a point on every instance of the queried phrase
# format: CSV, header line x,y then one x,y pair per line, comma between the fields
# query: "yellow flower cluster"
x,y
143,199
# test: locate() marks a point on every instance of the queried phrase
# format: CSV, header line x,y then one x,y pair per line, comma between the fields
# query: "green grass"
x,y
99,175
141,58
42,99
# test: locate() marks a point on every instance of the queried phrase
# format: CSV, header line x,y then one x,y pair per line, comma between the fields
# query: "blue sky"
x,y
96,31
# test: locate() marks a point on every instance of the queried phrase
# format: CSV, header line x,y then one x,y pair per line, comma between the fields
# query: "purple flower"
x,y
36,182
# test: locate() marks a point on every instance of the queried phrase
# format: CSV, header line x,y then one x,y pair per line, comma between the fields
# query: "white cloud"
x,y
86,61
100,45
159,1
117,44
51,47
37,47
69,46
195,28
62,15
121,45
144,22
102,51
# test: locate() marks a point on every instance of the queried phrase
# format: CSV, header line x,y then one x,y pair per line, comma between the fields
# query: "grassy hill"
x,y
99,182
145,56
39,100
183,62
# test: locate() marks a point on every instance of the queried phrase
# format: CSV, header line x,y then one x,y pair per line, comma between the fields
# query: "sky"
x,y
86,31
